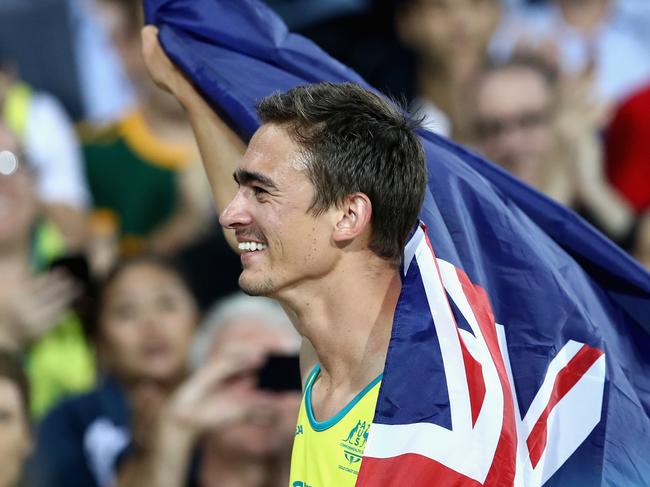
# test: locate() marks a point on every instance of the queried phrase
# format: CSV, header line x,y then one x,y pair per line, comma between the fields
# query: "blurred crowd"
x,y
127,358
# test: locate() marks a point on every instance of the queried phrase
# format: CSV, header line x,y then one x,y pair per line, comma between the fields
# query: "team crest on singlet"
x,y
353,446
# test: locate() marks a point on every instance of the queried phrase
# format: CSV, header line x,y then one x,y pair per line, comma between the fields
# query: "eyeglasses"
x,y
10,163
491,128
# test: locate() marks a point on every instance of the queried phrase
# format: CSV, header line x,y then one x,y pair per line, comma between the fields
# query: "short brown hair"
x,y
354,140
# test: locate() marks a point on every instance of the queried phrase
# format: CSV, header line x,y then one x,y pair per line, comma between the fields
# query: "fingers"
x,y
218,412
52,294
218,373
150,43
212,397
161,69
155,58
54,286
40,306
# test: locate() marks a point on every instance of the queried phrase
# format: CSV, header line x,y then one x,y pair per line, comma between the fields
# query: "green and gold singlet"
x,y
328,453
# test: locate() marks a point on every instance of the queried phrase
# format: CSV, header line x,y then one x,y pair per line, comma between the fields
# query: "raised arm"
x,y
221,149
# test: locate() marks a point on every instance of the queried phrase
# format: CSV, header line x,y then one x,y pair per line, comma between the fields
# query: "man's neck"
x,y
347,316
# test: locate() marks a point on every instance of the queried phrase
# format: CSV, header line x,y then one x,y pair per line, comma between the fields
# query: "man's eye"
x,y
257,190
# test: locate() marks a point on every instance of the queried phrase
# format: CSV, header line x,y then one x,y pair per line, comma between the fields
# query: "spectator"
x,y
59,46
50,143
627,143
144,171
450,39
584,35
513,124
15,433
242,435
145,320
35,302
522,124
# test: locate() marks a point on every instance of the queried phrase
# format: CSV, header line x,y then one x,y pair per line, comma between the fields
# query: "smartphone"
x,y
76,266
280,373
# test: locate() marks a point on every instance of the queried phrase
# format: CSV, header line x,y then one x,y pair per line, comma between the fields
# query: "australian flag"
x,y
520,351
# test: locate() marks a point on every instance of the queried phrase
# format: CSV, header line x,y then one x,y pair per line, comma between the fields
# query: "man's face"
x,y
270,427
271,213
512,121
147,322
448,30
15,442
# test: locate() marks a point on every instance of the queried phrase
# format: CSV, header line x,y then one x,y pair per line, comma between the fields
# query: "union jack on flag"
x,y
520,351
481,436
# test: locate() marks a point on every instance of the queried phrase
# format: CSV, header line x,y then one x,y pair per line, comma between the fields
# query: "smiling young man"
x,y
324,198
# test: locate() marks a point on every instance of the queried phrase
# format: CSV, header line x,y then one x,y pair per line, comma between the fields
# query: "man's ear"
x,y
354,217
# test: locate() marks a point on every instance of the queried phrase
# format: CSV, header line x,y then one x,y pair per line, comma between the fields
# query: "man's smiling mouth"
x,y
251,246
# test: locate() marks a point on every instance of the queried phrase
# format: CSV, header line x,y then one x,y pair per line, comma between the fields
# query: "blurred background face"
x,y
269,431
512,121
14,433
123,20
449,30
17,198
146,324
124,35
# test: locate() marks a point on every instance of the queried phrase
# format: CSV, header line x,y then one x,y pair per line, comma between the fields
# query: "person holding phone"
x,y
233,421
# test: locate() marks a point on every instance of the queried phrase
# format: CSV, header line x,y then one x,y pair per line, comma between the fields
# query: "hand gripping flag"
x,y
520,350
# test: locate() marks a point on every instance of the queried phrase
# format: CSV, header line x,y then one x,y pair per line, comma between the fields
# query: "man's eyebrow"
x,y
247,177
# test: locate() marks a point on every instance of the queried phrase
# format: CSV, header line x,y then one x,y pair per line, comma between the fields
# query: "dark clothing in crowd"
x,y
80,441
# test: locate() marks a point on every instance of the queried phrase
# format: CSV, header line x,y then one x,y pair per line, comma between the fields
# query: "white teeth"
x,y
251,246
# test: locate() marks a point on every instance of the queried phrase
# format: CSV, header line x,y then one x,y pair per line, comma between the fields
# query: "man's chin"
x,y
256,287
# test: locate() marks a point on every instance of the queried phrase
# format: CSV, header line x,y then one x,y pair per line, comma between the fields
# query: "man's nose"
x,y
236,214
